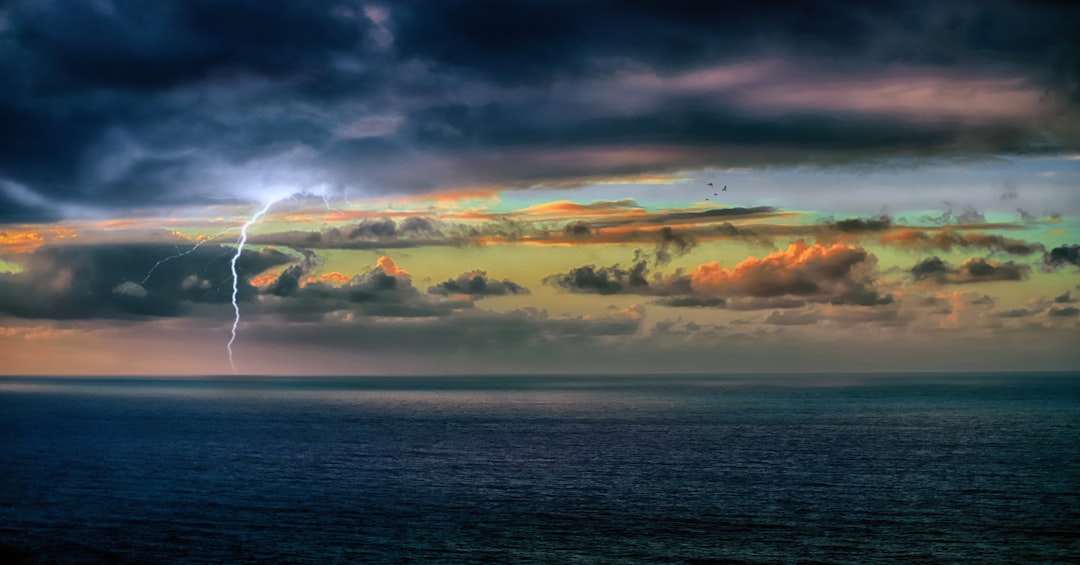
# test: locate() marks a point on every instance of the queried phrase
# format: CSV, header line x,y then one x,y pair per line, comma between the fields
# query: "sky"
x,y
191,187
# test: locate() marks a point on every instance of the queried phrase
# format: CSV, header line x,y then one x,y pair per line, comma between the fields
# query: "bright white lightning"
x,y
180,254
236,280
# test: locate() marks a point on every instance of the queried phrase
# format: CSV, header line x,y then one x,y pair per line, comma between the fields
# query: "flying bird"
x,y
723,189
710,184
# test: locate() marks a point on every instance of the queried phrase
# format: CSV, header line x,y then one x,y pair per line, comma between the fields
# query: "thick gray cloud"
x,y
1061,256
973,270
380,291
123,105
477,284
857,225
604,280
126,281
670,243
839,275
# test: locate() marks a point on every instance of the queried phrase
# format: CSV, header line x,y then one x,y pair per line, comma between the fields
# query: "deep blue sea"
x,y
587,469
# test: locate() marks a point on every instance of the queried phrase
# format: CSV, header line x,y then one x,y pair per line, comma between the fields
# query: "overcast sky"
x,y
507,187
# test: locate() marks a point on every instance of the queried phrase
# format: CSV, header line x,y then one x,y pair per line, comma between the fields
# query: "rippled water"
x,y
541,469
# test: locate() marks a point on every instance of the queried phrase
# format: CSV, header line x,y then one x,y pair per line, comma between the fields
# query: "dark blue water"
x,y
541,469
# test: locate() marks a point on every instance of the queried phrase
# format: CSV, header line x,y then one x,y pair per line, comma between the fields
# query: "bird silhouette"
x,y
710,184
723,189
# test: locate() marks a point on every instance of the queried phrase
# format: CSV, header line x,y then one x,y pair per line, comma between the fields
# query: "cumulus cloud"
x,y
935,269
838,273
1061,256
603,280
790,278
384,290
1066,312
477,284
128,288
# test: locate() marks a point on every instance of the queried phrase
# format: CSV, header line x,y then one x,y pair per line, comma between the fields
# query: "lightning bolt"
x,y
325,201
180,254
236,279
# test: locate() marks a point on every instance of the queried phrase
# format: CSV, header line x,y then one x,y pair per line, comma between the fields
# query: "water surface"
x,y
828,468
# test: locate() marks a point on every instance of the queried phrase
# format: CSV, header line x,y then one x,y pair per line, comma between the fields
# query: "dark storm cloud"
x,y
577,230
288,282
670,243
1061,256
114,101
374,228
973,270
477,284
1066,312
857,225
388,228
537,41
603,280
119,105
373,293
121,281
930,268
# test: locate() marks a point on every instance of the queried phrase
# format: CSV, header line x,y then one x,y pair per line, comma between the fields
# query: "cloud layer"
x,y
116,106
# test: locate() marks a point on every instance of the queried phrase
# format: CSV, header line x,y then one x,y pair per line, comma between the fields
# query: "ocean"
x,y
542,469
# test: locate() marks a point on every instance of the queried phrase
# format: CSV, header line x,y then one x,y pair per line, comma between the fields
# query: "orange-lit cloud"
x,y
24,241
332,277
265,279
451,197
838,270
389,267
597,208
34,332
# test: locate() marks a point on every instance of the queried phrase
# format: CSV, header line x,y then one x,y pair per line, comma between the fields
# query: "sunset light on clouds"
x,y
539,187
